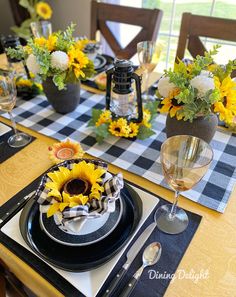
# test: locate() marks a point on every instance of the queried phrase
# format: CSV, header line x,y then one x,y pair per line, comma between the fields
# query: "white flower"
x,y
203,84
59,60
165,86
32,64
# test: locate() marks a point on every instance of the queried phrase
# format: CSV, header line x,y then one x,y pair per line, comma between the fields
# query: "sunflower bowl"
x,y
76,191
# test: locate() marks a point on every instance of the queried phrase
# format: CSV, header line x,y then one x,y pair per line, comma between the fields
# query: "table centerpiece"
x,y
61,63
194,93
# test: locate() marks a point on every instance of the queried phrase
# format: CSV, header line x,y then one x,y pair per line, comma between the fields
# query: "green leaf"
x,y
95,116
102,132
24,3
144,132
58,80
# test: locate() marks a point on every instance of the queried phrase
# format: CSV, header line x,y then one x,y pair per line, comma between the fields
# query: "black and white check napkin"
x,y
140,156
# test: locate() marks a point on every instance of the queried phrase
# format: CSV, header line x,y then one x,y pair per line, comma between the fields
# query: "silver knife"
x,y
16,207
130,256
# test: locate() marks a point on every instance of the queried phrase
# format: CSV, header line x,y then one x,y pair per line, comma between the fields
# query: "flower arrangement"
x,y
65,150
59,57
198,88
104,124
37,10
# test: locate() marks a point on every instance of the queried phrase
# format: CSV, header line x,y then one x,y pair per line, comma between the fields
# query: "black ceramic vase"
x,y
63,101
201,127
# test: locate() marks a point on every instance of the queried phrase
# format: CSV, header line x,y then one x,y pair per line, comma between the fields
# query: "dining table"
x,y
212,249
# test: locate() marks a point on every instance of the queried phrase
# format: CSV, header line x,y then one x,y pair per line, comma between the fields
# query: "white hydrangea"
x,y
32,64
165,86
203,84
59,60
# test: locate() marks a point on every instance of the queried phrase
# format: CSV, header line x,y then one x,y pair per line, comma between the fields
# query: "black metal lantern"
x,y
120,96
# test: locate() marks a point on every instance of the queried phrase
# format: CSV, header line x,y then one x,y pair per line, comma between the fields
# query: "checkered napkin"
x,y
72,219
140,156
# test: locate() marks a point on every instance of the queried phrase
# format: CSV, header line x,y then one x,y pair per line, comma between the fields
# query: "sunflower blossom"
x,y
43,10
77,60
134,129
58,186
119,128
226,106
105,117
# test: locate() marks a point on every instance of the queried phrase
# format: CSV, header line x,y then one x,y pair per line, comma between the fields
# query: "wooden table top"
x,y
213,247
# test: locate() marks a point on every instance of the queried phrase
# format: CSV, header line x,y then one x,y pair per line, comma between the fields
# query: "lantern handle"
x,y
109,73
138,80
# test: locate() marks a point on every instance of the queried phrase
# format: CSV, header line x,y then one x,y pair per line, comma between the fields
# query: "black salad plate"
x,y
81,258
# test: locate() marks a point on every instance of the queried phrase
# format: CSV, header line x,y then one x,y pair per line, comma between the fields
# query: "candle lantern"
x,y
121,98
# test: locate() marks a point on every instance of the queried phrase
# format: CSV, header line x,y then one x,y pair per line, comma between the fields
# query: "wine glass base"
x,y
19,140
169,225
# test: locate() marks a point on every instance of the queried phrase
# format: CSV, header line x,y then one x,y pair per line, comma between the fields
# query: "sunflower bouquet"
x,y
199,88
77,190
104,124
59,57
38,10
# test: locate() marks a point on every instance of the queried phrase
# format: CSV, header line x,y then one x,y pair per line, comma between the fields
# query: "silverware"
x,y
151,256
130,256
16,207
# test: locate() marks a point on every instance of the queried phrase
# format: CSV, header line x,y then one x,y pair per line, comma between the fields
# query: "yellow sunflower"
x,y
226,107
80,44
65,150
74,187
43,10
40,41
105,117
134,129
169,107
77,60
24,83
51,42
119,128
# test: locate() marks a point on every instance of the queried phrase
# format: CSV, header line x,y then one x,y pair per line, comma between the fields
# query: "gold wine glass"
x,y
148,55
7,102
185,160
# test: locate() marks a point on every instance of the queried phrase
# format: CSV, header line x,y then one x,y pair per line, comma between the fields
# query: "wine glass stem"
x,y
174,206
147,83
13,123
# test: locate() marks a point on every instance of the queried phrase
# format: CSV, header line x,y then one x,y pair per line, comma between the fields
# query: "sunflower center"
x,y
117,129
76,186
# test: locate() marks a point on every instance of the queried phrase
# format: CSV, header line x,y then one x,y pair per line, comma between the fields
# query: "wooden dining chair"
x,y
195,26
148,19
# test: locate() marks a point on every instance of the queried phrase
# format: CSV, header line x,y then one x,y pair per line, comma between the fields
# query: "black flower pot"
x,y
63,101
201,127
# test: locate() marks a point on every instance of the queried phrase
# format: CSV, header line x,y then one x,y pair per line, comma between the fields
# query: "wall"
x,y
64,12
76,11
6,19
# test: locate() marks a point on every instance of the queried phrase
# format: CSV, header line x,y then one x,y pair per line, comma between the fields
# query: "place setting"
x,y
75,241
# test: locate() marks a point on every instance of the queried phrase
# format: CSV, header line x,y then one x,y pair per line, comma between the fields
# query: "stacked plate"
x,y
96,243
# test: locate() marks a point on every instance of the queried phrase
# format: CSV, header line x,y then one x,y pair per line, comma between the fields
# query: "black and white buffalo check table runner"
x,y
139,156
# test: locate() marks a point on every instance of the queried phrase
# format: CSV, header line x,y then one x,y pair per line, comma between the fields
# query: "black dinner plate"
x,y
81,258
99,62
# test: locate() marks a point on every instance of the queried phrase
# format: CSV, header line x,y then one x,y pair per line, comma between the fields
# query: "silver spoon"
x,y
151,255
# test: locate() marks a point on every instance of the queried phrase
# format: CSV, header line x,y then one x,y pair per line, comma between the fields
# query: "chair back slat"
x,y
194,26
148,19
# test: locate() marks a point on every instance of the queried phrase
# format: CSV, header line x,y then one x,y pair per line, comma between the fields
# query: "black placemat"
x,y
5,150
174,247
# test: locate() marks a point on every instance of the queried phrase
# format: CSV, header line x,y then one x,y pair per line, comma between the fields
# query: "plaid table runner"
x,y
140,156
